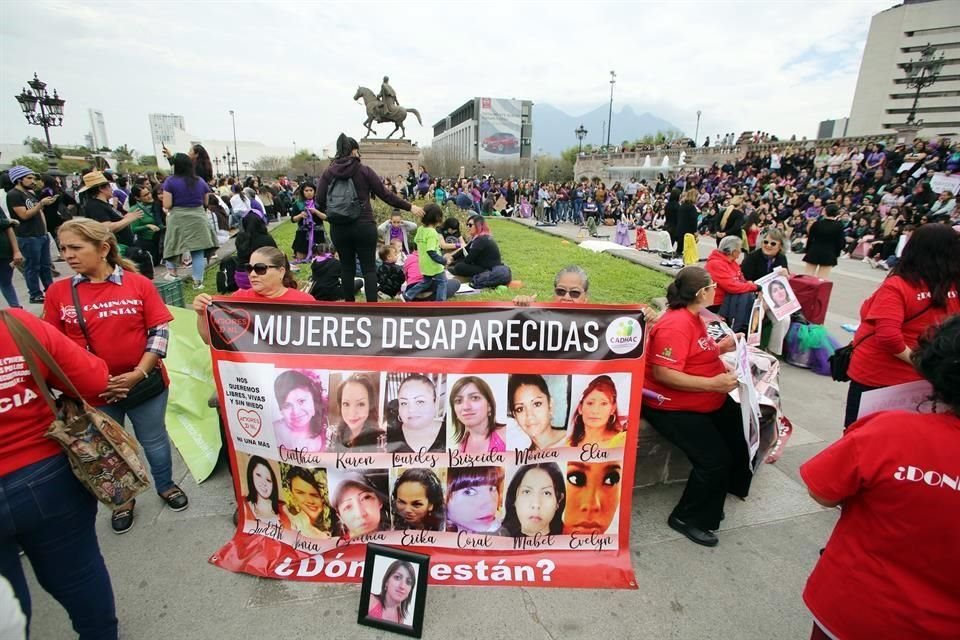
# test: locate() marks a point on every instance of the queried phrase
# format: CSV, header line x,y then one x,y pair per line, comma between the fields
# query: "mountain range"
x,y
553,129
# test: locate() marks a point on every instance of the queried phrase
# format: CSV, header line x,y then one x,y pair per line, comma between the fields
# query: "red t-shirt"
x,y
891,566
290,295
24,414
679,341
117,316
882,331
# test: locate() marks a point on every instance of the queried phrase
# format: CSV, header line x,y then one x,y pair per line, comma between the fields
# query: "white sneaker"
x,y
197,286
169,277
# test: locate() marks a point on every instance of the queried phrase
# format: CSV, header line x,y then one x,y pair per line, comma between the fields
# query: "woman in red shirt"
x,y
44,510
920,291
696,414
127,325
890,568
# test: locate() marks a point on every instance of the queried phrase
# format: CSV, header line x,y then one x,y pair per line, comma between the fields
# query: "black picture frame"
x,y
422,564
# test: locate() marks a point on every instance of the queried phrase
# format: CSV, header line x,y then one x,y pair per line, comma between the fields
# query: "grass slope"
x,y
534,257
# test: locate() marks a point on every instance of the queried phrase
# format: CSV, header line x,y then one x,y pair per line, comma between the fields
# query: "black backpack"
x,y
343,205
226,280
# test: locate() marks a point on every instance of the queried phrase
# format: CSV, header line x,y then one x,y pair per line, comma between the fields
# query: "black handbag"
x,y
150,387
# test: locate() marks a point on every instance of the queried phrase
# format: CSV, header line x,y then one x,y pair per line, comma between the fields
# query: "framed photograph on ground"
x,y
394,590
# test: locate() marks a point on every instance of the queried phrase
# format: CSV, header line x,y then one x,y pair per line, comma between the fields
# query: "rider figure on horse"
x,y
388,98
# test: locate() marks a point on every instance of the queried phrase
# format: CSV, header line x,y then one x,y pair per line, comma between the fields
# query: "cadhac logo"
x,y
624,335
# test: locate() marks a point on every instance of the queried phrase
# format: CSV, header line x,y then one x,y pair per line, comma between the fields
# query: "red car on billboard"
x,y
501,143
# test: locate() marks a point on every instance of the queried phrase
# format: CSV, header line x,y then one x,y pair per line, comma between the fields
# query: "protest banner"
x,y
942,181
910,396
755,326
749,402
778,294
391,424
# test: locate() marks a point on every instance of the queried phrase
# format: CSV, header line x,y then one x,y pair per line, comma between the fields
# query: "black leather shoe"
x,y
176,499
122,520
705,538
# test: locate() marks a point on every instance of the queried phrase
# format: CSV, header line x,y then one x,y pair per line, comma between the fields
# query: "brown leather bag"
x,y
106,459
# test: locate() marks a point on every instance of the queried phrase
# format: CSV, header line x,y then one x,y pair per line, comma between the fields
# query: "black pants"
x,y
466,270
357,240
715,446
854,392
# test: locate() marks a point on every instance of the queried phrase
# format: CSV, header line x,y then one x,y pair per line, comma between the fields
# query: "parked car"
x,y
501,143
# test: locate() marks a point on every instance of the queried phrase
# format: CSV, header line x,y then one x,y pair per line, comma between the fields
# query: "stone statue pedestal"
x,y
389,158
906,133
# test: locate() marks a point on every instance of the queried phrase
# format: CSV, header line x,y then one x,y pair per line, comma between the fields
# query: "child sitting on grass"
x,y
325,274
429,259
389,274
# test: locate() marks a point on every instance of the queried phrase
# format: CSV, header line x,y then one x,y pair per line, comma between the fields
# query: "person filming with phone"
x,y
31,230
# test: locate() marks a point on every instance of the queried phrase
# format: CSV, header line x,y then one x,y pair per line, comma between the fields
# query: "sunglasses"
x,y
573,293
770,243
259,268
470,224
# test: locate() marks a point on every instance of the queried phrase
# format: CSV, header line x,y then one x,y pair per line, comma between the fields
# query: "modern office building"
x,y
487,129
833,128
883,100
98,130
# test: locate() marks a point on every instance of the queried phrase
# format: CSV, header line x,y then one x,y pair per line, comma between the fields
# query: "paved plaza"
x,y
747,588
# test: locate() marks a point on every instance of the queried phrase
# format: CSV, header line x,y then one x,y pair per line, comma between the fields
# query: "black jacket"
x,y
755,265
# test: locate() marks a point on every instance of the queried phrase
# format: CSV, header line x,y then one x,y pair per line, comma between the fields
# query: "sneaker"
x,y
169,277
36,299
197,286
176,499
122,519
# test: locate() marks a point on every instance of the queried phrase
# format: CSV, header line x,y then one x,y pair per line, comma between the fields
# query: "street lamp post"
x,y
921,74
294,147
216,164
229,160
50,115
581,133
314,159
696,135
236,154
613,81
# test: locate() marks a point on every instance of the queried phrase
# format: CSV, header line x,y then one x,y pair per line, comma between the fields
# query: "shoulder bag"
x,y
150,387
103,456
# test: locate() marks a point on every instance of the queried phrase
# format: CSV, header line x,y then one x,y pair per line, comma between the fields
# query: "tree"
x,y
36,144
267,165
149,161
123,153
38,165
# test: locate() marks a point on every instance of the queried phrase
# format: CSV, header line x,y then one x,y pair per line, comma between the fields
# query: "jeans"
x,y
46,512
715,446
356,241
577,211
151,431
438,283
36,263
199,264
6,284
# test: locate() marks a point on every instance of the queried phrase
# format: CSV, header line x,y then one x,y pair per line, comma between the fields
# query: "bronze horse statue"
x,y
373,105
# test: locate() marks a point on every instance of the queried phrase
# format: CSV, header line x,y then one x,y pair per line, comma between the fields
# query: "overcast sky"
x,y
290,69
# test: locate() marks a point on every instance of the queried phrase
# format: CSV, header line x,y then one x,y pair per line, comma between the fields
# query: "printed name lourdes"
x,y
439,334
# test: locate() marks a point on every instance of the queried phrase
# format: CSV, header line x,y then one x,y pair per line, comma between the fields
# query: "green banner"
x,y
191,423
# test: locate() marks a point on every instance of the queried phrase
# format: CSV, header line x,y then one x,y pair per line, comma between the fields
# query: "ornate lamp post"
x,y
236,154
581,133
696,136
229,160
216,164
921,74
50,114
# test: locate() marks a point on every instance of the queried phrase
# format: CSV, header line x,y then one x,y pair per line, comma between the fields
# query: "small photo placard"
x,y
394,590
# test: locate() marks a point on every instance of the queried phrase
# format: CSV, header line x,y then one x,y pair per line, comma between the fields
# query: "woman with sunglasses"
x,y
482,252
270,279
760,262
696,413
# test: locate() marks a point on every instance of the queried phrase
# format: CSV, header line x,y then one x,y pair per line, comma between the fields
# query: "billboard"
x,y
499,134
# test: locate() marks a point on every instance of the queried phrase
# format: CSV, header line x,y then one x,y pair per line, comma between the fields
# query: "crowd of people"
x,y
877,204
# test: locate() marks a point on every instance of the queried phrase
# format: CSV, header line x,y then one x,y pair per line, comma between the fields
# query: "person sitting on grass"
x,y
325,274
430,261
390,276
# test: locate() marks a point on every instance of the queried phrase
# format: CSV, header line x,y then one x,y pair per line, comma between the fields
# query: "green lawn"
x,y
534,258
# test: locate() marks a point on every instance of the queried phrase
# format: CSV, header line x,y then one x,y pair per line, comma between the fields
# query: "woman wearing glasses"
x,y
760,262
696,414
481,253
270,279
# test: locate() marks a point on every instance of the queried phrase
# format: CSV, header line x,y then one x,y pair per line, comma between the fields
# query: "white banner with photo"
x,y
778,294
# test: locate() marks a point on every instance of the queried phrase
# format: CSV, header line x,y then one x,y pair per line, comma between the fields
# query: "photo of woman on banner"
x,y
597,419
535,501
302,406
307,500
417,500
474,498
262,493
531,404
779,296
592,496
395,601
419,422
474,416
360,501
355,405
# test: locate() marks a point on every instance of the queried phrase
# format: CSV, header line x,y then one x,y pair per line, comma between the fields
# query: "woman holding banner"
x,y
763,261
696,413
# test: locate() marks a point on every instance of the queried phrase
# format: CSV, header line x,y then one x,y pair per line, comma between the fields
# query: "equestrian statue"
x,y
383,107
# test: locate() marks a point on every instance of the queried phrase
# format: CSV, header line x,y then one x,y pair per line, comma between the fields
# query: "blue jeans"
x,y
151,431
46,512
6,284
199,264
438,283
36,263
